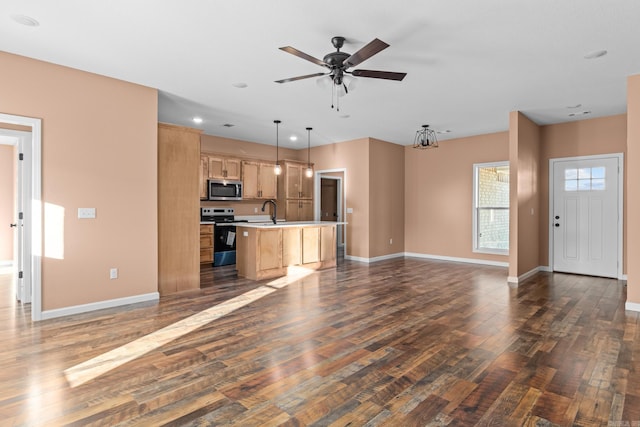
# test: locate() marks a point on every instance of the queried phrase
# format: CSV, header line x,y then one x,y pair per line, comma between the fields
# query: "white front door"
x,y
585,216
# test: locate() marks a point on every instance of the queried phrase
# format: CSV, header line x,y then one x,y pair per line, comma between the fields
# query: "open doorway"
x,y
21,271
330,202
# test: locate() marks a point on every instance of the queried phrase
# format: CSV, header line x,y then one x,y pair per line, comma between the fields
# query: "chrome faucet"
x,y
274,211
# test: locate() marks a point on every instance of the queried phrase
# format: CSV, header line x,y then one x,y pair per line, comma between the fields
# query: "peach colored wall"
x,y
349,155
604,135
7,197
386,198
246,150
99,149
633,190
439,195
524,157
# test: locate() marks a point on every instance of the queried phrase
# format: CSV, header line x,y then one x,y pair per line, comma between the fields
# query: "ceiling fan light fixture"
x,y
425,138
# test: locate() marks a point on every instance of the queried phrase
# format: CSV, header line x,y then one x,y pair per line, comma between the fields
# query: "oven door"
x,y
224,244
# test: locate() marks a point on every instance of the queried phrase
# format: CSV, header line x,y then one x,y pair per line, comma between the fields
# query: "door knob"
x,y
13,225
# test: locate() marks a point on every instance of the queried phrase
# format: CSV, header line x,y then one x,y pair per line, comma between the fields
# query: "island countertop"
x,y
285,224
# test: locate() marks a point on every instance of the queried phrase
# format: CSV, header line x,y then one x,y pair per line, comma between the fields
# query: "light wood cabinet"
x,y
206,243
267,252
299,210
178,204
224,167
204,175
297,184
258,180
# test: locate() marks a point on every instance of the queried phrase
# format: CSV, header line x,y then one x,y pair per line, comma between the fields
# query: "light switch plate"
x,y
349,210
86,212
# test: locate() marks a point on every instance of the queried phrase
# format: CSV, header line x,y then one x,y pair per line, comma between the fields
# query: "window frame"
x,y
475,209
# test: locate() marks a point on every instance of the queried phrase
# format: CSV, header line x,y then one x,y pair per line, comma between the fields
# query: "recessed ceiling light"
x,y
239,85
197,120
25,20
293,138
595,54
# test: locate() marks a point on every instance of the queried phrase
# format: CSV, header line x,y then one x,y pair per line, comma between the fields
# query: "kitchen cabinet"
x,y
298,210
295,191
206,243
224,167
258,180
298,184
266,251
204,175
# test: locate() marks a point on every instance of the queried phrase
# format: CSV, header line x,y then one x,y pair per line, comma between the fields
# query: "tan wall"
x,y
247,150
524,158
99,149
439,195
605,135
349,155
633,190
386,198
7,197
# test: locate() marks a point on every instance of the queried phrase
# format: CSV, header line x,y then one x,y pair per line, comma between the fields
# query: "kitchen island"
x,y
267,250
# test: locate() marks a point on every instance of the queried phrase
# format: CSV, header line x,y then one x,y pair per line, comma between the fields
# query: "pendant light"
x,y
309,171
277,169
425,138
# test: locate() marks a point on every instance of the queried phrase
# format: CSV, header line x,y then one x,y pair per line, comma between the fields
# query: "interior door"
x,y
585,216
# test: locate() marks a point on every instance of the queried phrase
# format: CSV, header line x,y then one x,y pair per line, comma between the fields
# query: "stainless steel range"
x,y
224,234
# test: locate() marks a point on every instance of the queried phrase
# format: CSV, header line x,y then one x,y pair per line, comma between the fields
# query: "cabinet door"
x,y
306,185
310,244
216,167
269,249
204,175
327,243
292,176
268,181
292,210
232,168
250,183
305,210
291,246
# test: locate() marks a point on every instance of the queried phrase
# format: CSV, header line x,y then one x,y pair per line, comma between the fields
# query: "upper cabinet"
x,y
204,175
297,184
224,167
258,180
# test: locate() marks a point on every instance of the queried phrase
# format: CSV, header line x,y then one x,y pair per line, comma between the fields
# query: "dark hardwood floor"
x,y
403,342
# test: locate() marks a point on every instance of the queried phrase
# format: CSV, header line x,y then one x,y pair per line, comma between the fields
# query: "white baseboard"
x,y
632,306
623,277
84,308
522,277
374,259
456,259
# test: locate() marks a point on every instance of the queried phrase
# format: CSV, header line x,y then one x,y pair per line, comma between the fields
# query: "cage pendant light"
x,y
277,169
425,138
309,171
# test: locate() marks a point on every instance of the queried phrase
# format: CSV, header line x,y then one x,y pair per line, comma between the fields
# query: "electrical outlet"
x,y
255,210
113,273
391,241
87,213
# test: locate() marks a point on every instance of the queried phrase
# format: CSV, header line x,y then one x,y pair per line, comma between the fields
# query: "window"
x,y
491,207
584,179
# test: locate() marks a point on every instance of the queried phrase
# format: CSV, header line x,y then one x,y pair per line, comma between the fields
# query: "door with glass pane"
x,y
585,216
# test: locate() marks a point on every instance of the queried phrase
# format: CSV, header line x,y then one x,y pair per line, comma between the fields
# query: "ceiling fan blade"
x,y
389,75
366,52
293,79
300,54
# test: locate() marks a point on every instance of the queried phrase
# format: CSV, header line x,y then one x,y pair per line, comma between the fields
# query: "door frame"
x,y
620,158
342,196
32,209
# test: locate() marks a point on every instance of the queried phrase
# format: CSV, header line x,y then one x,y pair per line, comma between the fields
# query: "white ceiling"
x,y
468,62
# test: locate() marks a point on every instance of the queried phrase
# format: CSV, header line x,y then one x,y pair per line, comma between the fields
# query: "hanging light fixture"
x,y
277,169
309,172
425,138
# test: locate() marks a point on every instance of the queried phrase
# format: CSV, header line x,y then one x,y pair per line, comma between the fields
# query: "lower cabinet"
x,y
263,253
206,243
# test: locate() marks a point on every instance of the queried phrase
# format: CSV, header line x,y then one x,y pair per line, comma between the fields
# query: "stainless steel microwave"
x,y
224,189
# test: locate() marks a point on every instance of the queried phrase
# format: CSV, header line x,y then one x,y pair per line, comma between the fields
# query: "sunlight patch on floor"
x,y
93,368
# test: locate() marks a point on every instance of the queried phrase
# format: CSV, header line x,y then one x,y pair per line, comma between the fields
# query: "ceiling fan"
x,y
338,63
